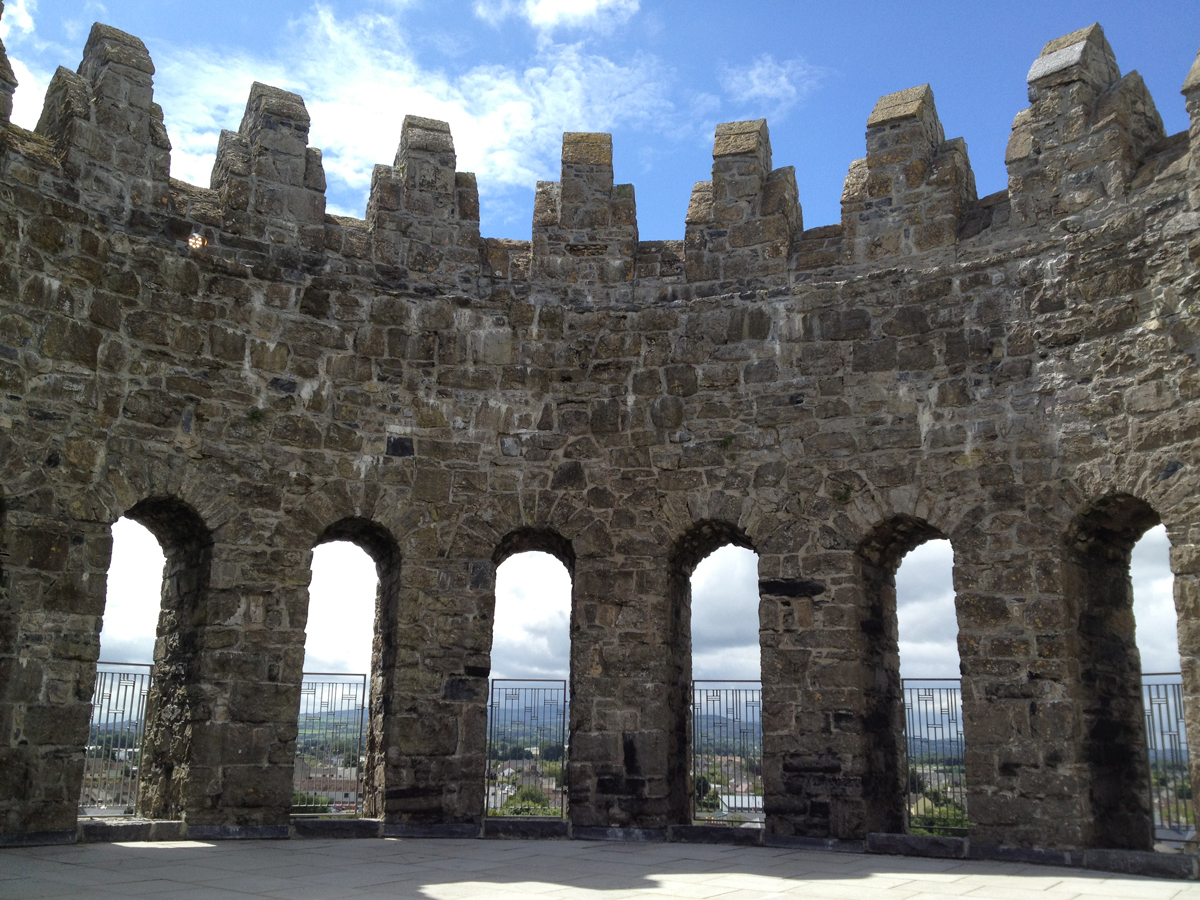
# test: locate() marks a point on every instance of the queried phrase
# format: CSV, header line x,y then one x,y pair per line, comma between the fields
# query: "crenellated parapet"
x,y
107,127
270,183
584,226
1084,135
423,214
741,224
913,190
1083,142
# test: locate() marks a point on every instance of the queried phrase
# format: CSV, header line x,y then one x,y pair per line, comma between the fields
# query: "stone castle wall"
x,y
1017,373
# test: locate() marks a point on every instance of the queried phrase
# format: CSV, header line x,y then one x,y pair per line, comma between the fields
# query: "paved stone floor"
x,y
532,870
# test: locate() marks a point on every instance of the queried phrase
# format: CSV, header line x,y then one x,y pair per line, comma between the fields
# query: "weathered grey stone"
x,y
919,845
1015,373
524,829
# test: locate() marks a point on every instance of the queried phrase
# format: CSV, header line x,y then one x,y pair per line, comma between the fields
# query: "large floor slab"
x,y
531,870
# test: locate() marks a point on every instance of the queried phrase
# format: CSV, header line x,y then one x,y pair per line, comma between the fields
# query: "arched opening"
x,y
132,605
345,694
885,729
174,695
1099,592
1157,632
133,594
927,638
701,542
527,767
727,727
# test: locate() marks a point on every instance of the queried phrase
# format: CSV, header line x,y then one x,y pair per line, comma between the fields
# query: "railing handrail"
x,y
726,681
139,665
304,675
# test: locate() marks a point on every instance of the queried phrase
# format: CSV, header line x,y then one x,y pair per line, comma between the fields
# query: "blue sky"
x,y
512,75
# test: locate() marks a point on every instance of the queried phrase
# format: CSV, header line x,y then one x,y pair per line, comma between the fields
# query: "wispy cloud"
x,y
78,27
359,78
18,16
25,45
546,15
769,86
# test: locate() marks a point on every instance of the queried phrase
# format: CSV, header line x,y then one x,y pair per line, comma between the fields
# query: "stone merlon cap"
x,y
1086,49
272,101
911,103
424,135
736,138
107,45
1192,82
587,148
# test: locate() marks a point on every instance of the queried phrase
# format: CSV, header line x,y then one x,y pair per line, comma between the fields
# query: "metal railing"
x,y
936,790
330,745
114,748
1166,743
727,786
937,802
527,748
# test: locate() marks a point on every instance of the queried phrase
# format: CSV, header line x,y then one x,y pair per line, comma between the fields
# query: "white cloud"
x,y
18,15
531,628
30,95
769,86
546,15
341,609
1154,602
928,625
725,615
17,30
134,595
359,79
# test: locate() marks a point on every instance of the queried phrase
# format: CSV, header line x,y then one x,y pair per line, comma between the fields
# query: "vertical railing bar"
x,y
525,716
331,725
935,751
726,740
112,761
1170,786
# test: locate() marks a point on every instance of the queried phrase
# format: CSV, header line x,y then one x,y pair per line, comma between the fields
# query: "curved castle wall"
x,y
1017,373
